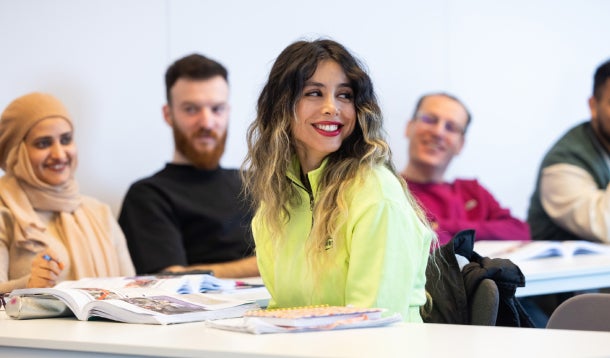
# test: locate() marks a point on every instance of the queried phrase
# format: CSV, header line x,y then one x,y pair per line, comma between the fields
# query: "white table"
x,y
66,337
559,274
542,276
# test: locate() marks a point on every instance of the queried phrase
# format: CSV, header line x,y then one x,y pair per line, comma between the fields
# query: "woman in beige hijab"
x,y
48,231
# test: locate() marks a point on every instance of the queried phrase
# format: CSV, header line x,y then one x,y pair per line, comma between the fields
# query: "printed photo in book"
x,y
528,250
305,319
139,299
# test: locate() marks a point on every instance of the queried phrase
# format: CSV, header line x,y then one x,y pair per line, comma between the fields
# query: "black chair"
x,y
484,304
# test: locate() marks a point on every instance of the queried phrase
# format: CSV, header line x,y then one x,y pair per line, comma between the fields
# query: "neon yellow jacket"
x,y
378,259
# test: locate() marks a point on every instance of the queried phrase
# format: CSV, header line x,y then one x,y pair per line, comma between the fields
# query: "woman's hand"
x,y
46,268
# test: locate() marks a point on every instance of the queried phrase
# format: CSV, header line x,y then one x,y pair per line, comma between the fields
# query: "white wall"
x,y
524,68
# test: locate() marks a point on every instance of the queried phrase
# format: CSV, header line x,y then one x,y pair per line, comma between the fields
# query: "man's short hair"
x,y
601,75
194,67
444,94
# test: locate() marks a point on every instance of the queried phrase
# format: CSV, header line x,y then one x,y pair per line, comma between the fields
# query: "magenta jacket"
x,y
465,204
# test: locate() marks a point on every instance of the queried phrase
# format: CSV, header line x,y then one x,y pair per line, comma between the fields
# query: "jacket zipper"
x,y
309,193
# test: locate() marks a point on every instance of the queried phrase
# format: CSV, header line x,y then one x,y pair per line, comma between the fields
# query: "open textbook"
x,y
526,250
138,299
306,319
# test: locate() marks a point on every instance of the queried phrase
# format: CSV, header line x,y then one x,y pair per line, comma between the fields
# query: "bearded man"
x,y
190,215
571,200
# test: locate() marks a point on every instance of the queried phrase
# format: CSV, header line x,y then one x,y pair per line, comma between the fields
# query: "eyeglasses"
x,y
433,120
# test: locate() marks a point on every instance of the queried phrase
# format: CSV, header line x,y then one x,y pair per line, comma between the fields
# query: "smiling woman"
x,y
325,115
48,231
51,150
335,224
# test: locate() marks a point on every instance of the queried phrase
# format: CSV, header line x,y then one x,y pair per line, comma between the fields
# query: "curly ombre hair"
x,y
271,146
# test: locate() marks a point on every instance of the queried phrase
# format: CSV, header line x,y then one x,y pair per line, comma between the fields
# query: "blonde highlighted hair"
x,y
271,147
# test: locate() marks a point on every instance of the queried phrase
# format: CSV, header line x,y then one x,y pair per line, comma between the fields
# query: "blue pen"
x,y
48,257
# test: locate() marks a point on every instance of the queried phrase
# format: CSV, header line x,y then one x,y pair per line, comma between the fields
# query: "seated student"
x,y
49,232
436,134
571,200
189,215
335,224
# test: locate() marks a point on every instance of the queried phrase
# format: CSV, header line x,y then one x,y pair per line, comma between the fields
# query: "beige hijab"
x,y
88,240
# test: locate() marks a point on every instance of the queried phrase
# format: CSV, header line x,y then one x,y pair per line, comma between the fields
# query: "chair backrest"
x,y
484,304
585,312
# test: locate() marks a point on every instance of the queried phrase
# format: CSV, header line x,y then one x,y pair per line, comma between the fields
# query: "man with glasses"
x,y
436,134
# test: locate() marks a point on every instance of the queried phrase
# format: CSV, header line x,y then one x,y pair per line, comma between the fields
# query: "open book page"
x,y
178,284
256,325
527,250
32,303
76,299
169,309
249,288
136,305
22,302
260,295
